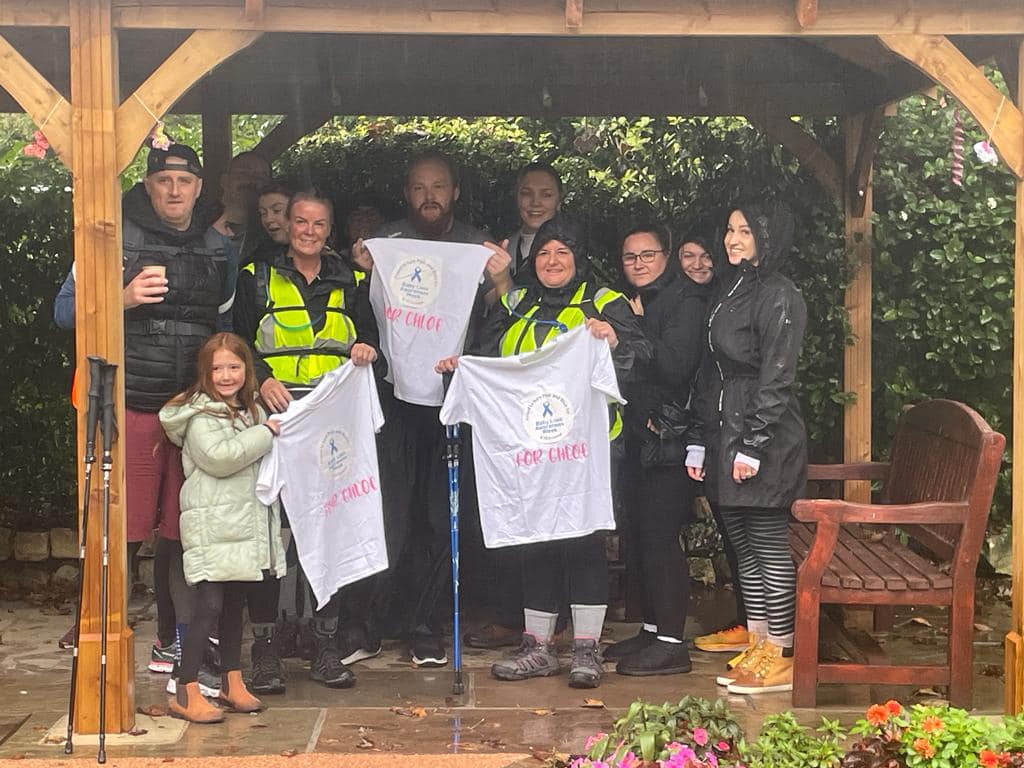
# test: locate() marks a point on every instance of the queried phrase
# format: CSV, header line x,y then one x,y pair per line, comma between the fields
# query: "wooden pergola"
x,y
95,75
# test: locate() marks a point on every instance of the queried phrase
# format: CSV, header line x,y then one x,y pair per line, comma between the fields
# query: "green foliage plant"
x,y
784,743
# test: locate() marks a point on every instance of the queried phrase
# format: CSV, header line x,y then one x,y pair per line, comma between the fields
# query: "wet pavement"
x,y
398,709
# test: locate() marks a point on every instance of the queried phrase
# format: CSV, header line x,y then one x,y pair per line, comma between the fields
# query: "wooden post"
x,y
1014,658
216,140
857,358
99,331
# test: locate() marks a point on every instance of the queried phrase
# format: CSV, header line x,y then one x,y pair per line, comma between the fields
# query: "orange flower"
x,y
878,715
924,748
989,759
893,707
931,724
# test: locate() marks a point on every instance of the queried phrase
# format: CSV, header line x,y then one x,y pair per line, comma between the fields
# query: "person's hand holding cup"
x,y
147,287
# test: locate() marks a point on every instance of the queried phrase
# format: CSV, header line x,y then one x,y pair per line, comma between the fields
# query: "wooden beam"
x,y
47,107
806,13
604,17
194,59
938,58
1014,649
96,205
573,15
857,357
860,173
289,131
812,156
254,10
34,13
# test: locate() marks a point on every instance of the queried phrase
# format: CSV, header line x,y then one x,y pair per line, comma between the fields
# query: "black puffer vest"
x,y
161,340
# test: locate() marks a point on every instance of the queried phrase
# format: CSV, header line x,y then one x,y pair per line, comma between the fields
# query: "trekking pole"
x,y
92,419
452,456
109,371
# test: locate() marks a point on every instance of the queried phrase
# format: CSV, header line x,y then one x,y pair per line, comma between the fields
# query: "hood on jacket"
x,y
175,417
772,225
571,234
137,208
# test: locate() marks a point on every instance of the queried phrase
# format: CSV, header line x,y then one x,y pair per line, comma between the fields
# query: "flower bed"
x,y
696,733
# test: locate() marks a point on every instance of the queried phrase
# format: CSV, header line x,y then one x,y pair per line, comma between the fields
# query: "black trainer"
x,y
327,667
658,658
267,670
428,651
624,648
355,643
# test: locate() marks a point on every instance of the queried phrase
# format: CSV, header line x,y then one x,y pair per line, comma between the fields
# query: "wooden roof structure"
x,y
95,75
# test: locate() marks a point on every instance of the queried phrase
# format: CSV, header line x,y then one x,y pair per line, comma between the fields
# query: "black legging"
x,y
660,503
262,598
767,574
218,604
577,566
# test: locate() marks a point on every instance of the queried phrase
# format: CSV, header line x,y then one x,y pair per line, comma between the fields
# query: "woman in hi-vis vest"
x,y
304,312
564,296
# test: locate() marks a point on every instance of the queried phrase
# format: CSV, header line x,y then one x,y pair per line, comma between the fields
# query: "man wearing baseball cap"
x,y
175,286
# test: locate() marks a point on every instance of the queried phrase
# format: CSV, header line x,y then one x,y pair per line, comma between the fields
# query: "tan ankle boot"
x,y
234,693
188,704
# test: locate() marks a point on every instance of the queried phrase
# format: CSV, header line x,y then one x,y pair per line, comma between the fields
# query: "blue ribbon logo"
x,y
417,274
547,410
334,447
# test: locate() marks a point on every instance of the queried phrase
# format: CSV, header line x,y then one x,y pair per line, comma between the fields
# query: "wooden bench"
x,y
937,489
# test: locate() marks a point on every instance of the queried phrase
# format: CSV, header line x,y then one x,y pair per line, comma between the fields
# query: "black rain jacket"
x,y
747,398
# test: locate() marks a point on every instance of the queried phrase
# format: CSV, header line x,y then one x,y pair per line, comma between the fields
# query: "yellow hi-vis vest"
x,y
522,334
285,339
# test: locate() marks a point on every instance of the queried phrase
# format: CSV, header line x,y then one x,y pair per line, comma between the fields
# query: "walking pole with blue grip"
x,y
452,457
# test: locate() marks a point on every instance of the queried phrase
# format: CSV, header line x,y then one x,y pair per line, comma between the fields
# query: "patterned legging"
x,y
767,576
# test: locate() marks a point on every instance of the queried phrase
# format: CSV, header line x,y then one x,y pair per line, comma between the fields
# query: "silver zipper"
x,y
711,346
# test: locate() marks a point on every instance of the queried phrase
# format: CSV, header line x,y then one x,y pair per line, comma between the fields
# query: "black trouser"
x,y
218,605
262,598
414,482
734,565
659,503
553,570
174,597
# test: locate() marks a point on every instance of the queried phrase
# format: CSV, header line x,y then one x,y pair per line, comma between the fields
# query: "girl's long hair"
x,y
204,375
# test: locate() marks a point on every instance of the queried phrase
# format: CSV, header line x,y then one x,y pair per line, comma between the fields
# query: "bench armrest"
x,y
839,511
864,470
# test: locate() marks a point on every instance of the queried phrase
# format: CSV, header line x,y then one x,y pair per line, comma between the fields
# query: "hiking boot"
x,y
234,693
586,668
161,658
356,644
493,635
532,659
267,670
209,683
327,667
631,645
286,633
189,704
658,658
739,663
731,640
428,651
772,672
67,641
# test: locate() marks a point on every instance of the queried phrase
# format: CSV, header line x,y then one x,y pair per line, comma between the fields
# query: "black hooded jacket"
x,y
162,340
747,399
633,349
674,308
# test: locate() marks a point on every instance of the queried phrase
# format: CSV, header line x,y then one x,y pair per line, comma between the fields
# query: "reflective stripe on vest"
x,y
522,334
285,338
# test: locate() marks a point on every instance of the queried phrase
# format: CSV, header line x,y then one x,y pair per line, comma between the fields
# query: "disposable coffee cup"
x,y
156,269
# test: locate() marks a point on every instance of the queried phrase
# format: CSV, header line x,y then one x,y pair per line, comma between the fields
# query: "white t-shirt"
x,y
422,293
324,467
540,438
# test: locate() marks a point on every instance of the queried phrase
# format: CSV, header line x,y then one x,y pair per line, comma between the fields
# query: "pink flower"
x,y
592,740
579,762
41,140
34,150
722,746
711,759
629,761
700,736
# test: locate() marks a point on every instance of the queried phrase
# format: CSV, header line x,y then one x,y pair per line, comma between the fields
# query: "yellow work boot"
x,y
740,661
771,672
728,640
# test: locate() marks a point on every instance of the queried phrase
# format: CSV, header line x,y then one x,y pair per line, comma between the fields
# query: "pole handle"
x,y
109,425
92,412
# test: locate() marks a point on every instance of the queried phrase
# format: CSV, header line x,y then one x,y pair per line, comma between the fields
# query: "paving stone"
x,y
6,543
64,543
31,546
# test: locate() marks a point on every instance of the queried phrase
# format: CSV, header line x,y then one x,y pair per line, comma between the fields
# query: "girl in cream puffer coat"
x,y
227,535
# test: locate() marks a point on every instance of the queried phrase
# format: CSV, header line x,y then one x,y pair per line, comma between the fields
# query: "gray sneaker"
x,y
586,668
532,659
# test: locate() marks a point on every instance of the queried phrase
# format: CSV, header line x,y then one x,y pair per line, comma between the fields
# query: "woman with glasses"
x,y
656,491
563,296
